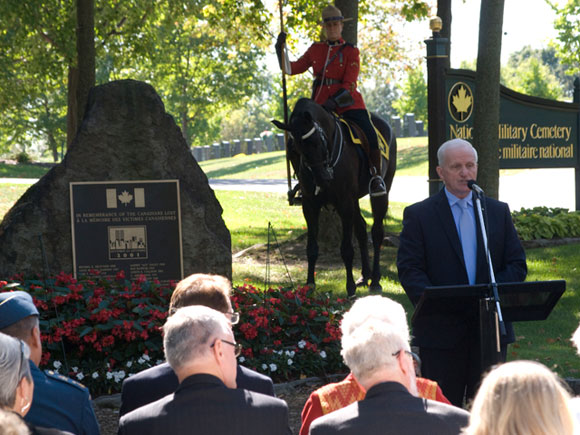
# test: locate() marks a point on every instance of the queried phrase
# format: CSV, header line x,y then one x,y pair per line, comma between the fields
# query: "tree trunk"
x,y
486,104
349,9
444,12
71,109
85,57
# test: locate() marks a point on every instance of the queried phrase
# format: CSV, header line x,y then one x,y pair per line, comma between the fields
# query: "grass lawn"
x,y
411,160
22,170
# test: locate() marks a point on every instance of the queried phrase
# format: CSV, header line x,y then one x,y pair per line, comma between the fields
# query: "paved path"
x,y
528,188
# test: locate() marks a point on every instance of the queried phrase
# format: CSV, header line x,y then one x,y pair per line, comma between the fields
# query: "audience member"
x,y
376,349
200,348
331,397
16,389
159,381
521,397
59,402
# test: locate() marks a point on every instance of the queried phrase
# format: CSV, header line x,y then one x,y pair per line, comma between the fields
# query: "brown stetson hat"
x,y
332,13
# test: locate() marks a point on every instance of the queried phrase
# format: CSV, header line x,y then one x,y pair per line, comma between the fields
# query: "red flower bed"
x,y
99,331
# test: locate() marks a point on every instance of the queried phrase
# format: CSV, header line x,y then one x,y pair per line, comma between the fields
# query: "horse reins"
x,y
338,140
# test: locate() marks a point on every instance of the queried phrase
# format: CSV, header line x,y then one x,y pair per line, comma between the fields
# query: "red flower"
x,y
120,275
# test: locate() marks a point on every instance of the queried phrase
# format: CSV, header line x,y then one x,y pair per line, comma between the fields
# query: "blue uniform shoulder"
x,y
64,381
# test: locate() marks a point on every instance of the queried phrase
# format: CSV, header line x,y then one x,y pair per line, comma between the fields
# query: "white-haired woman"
x,y
521,397
16,385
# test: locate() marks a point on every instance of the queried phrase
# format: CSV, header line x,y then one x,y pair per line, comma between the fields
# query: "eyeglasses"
x,y
237,346
22,358
234,317
416,359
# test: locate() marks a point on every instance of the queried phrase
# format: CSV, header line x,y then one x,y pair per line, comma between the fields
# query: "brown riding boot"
x,y
376,185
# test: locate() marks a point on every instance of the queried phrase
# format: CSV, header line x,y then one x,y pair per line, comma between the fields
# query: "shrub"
x,y
546,223
22,157
111,329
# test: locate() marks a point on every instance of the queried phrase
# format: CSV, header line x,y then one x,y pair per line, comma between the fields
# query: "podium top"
x,y
519,301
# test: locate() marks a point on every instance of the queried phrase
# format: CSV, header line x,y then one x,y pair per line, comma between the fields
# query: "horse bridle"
x,y
336,145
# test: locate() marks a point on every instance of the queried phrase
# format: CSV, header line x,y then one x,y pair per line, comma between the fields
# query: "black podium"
x,y
519,301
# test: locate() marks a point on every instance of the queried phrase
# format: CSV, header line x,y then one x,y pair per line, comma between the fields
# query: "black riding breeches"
x,y
362,118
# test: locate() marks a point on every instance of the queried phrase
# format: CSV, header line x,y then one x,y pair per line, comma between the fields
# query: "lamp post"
x,y
437,60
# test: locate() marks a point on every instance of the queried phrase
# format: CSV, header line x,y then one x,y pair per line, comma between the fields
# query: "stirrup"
x,y
380,188
295,196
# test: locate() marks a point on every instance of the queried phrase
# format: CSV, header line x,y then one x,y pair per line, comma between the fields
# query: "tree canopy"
x,y
205,58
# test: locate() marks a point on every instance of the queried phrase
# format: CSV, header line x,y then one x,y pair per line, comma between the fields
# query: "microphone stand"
x,y
477,192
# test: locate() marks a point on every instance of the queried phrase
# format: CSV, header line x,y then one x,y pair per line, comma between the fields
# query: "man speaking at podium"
x,y
441,245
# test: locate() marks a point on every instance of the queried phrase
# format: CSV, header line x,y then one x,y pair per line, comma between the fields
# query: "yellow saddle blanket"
x,y
383,145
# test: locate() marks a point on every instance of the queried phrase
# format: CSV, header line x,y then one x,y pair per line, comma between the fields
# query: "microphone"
x,y
471,184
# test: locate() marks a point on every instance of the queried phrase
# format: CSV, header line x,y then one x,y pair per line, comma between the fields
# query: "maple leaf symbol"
x,y
125,197
461,101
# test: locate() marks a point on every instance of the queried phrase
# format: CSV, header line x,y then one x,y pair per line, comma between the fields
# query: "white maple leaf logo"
x,y
125,197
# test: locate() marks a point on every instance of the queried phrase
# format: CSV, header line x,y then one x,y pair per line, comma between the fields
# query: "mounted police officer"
x,y
335,64
58,402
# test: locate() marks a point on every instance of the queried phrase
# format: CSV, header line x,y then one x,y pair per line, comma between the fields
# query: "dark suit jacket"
x,y
430,254
203,405
389,408
156,382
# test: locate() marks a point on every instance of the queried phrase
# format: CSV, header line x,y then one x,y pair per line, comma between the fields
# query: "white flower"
x,y
109,375
241,359
129,363
57,364
290,362
264,366
290,353
140,360
75,369
80,376
301,344
322,354
146,357
95,375
159,361
273,367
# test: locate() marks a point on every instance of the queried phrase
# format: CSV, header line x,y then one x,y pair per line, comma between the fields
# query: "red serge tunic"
x,y
344,69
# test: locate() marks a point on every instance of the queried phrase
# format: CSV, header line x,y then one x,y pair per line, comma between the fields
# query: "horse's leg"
x,y
346,213
311,213
360,231
379,205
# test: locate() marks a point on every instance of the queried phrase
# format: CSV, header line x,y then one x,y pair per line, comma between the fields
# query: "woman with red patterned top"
x,y
335,64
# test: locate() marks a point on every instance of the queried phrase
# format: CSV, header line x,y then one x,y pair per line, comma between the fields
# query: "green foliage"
x,y
567,24
413,95
546,223
22,157
380,99
532,77
552,72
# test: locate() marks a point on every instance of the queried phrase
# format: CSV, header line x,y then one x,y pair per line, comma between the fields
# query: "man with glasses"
x,y
200,347
58,402
156,382
375,346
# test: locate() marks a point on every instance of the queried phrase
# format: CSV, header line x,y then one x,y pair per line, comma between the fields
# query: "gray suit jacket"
x,y
389,409
203,405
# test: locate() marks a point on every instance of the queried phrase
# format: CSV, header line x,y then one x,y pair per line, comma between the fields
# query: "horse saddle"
x,y
358,137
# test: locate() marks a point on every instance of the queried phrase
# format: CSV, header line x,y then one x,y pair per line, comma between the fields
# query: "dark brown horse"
x,y
334,171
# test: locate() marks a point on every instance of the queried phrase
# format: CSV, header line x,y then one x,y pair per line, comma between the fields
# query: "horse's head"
x,y
311,128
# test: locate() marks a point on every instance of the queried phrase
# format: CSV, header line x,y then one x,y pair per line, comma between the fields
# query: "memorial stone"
x,y
125,135
237,147
397,125
249,146
410,128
